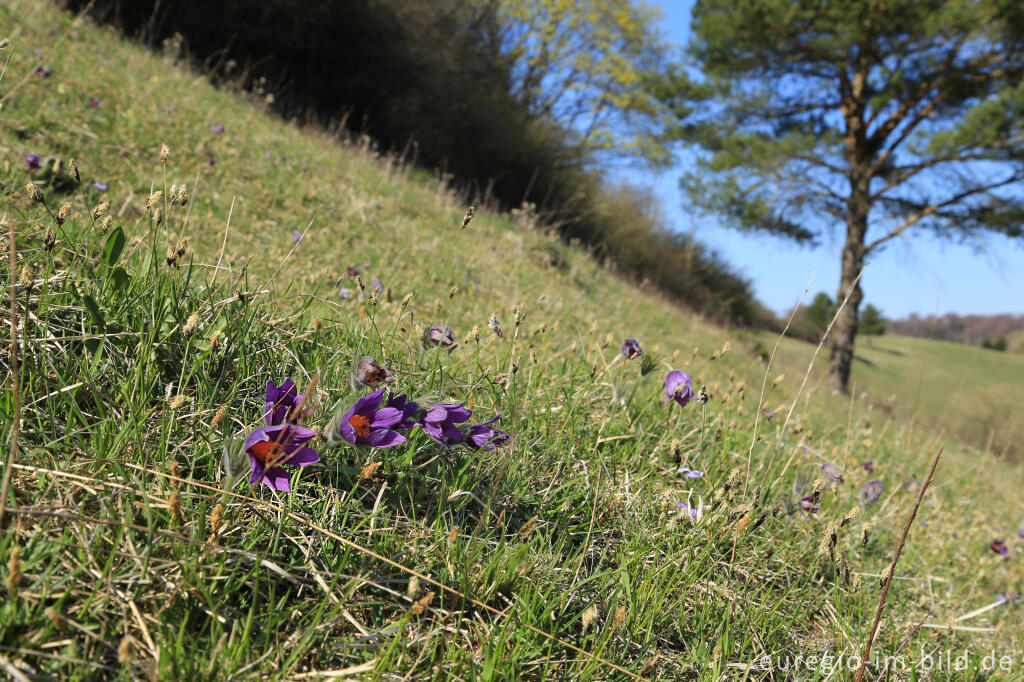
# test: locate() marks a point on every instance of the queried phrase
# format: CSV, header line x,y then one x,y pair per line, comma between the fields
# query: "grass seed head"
x,y
406,300
190,325
176,402
34,193
50,239
850,516
216,518
174,505
221,413
100,210
467,218
108,222
865,533
589,618
26,278
158,216
154,199
165,151
63,212
453,535
124,650
413,588
14,570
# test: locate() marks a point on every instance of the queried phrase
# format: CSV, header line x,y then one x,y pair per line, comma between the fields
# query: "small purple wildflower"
x,y
352,271
218,128
297,237
871,492
42,72
869,466
678,388
100,186
809,504
631,349
343,292
831,473
32,162
484,437
440,420
369,424
1020,532
94,103
690,473
695,513
440,335
271,446
1011,597
376,286
212,162
1000,548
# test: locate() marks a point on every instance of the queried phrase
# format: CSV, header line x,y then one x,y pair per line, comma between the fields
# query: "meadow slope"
x,y
148,327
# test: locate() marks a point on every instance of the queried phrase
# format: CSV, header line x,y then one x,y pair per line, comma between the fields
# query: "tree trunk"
x,y
845,329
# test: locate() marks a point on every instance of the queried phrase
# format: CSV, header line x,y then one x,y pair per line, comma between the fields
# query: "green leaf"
x,y
94,309
114,246
119,278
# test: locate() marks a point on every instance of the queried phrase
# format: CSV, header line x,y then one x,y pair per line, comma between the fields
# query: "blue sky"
x,y
915,275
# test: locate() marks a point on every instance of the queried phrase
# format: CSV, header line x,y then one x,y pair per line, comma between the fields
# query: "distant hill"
x,y
968,329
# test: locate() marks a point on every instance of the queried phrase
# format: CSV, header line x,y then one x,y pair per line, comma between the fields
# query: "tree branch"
x,y
934,208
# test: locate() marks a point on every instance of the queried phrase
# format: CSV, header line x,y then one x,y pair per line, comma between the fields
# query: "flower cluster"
x,y
380,420
376,420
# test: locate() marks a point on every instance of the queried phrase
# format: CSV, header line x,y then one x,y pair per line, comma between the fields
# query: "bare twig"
x,y
892,570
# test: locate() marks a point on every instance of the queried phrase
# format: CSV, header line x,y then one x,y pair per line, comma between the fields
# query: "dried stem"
x,y
15,377
892,570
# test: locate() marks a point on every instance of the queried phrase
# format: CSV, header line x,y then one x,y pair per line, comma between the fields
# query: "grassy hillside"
x,y
962,392
135,546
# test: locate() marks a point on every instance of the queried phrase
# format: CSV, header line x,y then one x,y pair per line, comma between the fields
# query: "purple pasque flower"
x,y
440,335
94,103
409,410
440,420
831,472
678,388
32,162
296,237
371,423
211,162
352,271
376,286
371,373
484,437
1000,548
270,447
100,186
871,492
869,466
1020,532
218,128
42,72
690,473
282,403
631,349
343,292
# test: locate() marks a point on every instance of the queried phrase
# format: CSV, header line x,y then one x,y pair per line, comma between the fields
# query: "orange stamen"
x,y
361,424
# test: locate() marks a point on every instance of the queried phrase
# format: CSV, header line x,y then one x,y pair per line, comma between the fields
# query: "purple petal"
x,y
302,457
384,438
277,478
385,417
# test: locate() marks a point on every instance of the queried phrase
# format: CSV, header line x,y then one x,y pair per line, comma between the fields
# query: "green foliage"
x,y
999,343
871,322
584,65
